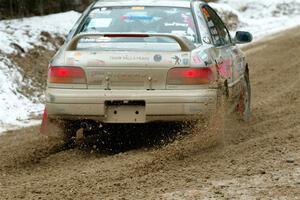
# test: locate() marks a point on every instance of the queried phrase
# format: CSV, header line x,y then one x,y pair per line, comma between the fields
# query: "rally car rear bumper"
x,y
129,106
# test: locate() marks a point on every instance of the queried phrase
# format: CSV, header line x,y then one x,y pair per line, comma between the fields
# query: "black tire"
x,y
244,106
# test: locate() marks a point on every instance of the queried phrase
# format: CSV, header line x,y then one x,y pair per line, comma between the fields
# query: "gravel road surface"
x,y
255,160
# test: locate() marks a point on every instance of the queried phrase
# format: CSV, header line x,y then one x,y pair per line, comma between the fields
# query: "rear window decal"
x,y
135,18
176,24
137,8
100,23
171,11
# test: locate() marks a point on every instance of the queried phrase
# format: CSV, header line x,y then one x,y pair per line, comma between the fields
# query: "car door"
x,y
222,43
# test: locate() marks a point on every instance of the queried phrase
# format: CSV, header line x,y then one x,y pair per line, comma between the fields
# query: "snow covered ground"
x,y
260,17
14,107
16,110
26,32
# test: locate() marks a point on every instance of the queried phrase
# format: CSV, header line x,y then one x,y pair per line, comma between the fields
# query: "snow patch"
x,y
16,109
19,36
26,32
263,17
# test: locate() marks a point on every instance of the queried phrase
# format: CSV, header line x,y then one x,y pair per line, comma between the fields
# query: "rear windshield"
x,y
177,21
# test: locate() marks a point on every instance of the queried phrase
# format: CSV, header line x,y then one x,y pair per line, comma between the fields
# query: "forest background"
x,y
26,8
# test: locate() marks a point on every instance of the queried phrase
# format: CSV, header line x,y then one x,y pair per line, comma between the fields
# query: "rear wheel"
x,y
243,108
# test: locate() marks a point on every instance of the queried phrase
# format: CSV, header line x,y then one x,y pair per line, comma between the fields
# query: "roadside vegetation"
x,y
26,8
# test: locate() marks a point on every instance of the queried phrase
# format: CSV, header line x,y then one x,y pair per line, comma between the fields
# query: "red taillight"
x,y
189,76
66,75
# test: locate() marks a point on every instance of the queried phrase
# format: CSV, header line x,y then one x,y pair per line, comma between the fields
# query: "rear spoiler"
x,y
185,44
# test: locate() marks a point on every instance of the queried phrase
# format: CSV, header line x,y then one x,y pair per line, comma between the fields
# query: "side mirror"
x,y
242,37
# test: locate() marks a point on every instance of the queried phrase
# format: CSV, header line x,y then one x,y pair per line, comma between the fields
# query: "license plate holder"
x,y
125,113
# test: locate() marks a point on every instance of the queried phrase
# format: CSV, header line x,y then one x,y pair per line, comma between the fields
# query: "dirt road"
x,y
257,160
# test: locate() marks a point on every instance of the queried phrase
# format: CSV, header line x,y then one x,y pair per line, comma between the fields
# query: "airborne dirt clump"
x,y
257,160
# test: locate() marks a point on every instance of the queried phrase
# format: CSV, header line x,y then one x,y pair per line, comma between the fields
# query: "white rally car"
x,y
128,62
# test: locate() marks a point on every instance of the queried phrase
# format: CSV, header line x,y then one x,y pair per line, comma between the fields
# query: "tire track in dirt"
x,y
250,164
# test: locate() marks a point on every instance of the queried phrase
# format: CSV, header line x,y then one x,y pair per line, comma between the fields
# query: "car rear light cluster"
x,y
66,75
189,76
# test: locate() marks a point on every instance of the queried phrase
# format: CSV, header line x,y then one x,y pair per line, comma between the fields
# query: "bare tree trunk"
x,y
20,4
11,8
41,7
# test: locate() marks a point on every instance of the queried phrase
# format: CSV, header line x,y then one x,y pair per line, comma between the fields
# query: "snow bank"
x,y
16,110
262,17
26,32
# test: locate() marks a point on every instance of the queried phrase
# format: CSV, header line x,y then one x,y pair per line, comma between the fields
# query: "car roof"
x,y
167,3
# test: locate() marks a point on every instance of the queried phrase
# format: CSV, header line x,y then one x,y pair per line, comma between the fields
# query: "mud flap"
x,y
50,127
43,128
